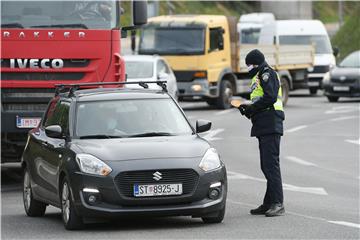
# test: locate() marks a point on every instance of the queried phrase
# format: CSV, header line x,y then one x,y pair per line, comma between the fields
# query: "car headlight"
x,y
326,78
90,164
210,161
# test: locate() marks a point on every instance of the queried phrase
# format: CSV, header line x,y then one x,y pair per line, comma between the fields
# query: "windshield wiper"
x,y
71,25
151,134
12,25
99,136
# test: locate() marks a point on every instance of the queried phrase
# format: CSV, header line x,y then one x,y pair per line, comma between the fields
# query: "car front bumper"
x,y
353,89
113,202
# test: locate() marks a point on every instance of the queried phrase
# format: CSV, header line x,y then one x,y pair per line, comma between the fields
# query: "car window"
x,y
139,69
130,117
162,67
351,61
58,114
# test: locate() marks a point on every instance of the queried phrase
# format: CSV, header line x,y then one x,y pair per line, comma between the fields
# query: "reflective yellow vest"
x,y
257,92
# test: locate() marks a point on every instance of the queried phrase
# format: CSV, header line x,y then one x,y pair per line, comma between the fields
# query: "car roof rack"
x,y
71,88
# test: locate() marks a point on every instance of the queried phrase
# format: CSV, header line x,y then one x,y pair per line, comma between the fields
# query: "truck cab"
x,y
198,49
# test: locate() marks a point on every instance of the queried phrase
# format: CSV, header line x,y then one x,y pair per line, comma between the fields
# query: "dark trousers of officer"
x,y
269,146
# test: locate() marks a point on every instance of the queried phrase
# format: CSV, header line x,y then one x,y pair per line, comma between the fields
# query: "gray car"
x,y
343,80
111,152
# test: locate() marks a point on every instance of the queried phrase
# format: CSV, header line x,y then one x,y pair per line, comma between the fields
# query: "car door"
x,y
53,149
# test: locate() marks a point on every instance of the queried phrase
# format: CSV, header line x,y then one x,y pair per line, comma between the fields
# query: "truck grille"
x,y
42,76
184,76
125,181
321,69
23,107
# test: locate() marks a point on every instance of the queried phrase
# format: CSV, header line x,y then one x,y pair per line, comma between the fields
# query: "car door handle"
x,y
45,144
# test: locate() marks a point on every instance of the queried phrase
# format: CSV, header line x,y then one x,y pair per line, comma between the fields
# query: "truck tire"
x,y
225,95
313,90
332,98
285,90
33,207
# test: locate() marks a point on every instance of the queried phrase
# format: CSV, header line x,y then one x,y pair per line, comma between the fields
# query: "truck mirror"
x,y
336,51
139,12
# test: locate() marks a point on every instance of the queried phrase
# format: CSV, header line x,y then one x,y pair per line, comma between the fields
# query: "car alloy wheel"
x,y
33,207
65,202
27,191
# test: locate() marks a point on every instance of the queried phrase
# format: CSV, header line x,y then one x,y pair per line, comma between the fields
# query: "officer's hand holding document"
x,y
245,107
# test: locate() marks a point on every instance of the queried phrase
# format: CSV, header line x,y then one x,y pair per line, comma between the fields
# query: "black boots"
x,y
272,211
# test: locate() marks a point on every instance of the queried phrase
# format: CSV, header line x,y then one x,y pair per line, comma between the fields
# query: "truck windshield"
x,y
172,40
321,42
250,35
130,118
59,14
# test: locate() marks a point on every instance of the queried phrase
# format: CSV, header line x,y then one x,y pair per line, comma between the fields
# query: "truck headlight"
x,y
92,165
210,160
326,78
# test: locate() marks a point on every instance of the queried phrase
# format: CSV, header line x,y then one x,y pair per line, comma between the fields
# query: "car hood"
x,y
348,72
118,149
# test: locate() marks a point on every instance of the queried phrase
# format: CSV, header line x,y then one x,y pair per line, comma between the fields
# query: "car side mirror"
x,y
202,126
54,131
139,12
163,76
336,51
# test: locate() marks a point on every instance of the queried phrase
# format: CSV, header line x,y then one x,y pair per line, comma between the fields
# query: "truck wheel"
x,y
285,90
217,218
313,91
226,93
332,98
33,207
70,219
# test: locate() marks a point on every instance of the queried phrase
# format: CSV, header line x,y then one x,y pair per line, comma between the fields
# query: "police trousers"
x,y
269,146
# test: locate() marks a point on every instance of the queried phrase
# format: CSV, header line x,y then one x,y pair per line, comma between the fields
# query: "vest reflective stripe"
x,y
257,92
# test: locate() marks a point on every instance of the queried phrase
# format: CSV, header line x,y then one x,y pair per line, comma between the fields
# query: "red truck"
x,y
44,43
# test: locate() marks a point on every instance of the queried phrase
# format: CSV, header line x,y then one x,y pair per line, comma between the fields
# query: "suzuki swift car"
x,y
111,152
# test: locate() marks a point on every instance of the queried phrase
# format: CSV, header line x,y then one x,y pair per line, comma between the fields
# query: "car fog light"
x,y
196,87
92,199
214,193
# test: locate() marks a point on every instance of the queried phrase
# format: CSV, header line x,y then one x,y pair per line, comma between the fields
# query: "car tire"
x,y
332,98
225,95
313,91
285,90
33,207
211,101
217,218
69,216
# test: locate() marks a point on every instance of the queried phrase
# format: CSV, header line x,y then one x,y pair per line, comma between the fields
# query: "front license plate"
x,y
313,84
150,190
341,88
26,122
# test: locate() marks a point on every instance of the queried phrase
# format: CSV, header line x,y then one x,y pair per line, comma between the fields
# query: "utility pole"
x,y
340,12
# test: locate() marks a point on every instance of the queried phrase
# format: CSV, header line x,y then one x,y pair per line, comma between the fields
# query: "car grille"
x,y
346,80
125,181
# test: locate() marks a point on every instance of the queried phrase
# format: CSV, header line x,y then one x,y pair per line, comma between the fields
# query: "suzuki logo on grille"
x,y
157,176
342,78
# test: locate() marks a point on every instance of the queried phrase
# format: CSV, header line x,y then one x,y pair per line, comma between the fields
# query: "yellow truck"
x,y
208,61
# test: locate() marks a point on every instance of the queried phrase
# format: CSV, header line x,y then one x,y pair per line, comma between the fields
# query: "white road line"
x,y
343,118
289,187
226,111
348,224
353,141
210,136
345,109
299,161
296,129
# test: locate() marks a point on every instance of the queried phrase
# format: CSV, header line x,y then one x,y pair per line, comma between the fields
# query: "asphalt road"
x,y
320,169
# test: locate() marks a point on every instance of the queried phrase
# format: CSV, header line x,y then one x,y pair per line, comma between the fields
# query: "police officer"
x,y
267,115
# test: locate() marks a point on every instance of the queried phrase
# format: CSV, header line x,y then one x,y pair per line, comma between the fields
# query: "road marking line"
x,y
353,141
296,129
345,109
210,136
226,111
299,161
289,187
343,118
348,224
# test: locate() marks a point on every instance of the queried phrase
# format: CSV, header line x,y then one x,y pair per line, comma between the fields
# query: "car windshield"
x,y
172,41
321,42
59,14
130,118
250,35
139,69
351,61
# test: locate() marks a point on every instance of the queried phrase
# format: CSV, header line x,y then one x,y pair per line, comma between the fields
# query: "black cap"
x,y
254,57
